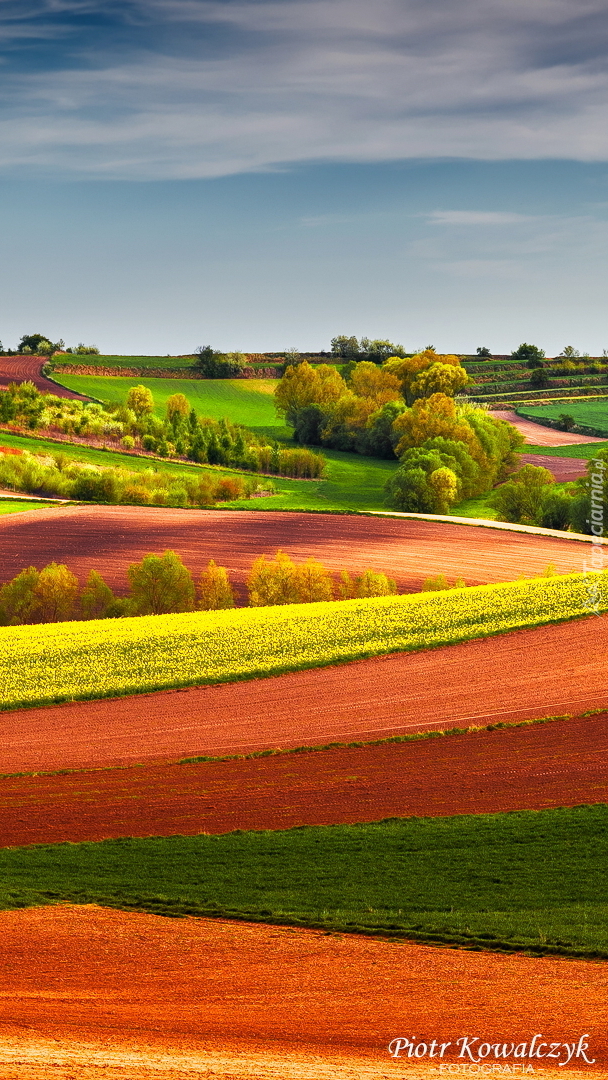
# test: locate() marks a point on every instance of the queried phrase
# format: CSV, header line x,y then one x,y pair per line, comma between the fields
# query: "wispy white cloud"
x,y
303,80
477,217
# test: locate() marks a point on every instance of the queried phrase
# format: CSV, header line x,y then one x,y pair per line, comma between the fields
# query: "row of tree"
x,y
161,584
134,425
41,345
60,477
531,497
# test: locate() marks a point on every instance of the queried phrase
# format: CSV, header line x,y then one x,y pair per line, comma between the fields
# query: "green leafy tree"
x,y
37,343
161,584
345,347
521,499
484,353
215,590
529,354
18,598
96,598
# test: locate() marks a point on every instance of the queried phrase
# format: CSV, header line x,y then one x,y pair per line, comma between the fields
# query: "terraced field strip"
x,y
563,763
109,538
28,369
538,435
86,989
516,676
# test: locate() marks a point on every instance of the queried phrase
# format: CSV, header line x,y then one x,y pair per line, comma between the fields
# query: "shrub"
x,y
128,442
215,590
440,582
160,584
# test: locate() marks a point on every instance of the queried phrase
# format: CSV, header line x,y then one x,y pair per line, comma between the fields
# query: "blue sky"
x,y
263,175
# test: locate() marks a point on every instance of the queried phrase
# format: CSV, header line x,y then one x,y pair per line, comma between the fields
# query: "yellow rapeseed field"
x,y
61,661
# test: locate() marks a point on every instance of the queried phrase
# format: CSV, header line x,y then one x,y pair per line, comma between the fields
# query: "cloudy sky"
x,y
263,175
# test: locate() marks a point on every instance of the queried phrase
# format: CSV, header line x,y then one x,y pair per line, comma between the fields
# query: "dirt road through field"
x,y
29,369
539,435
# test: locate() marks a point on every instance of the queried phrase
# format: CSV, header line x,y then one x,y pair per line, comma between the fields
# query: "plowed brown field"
x,y
87,992
539,435
563,469
558,764
28,369
110,537
527,673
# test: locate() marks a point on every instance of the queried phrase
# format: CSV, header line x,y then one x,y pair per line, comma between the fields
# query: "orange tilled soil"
x,y
253,1001
28,369
524,674
109,538
564,763
538,435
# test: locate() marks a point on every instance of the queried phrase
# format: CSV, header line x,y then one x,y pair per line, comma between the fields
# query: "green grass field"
x,y
530,880
575,450
591,414
17,506
244,401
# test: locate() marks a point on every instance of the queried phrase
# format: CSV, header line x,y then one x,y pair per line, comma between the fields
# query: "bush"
x,y
128,442
566,422
215,590
440,582
160,585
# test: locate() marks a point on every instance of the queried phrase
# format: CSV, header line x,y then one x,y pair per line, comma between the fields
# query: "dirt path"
x,y
558,764
109,538
539,435
87,992
527,673
28,369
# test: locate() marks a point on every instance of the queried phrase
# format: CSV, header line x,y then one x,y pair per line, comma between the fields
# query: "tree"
x,y
569,352
440,582
215,590
566,422
426,482
379,350
531,355
345,347
217,365
96,597
484,353
18,599
539,378
520,499
374,583
367,380
312,582
160,584
140,400
439,378
409,369
177,406
56,592
272,581
304,385
37,343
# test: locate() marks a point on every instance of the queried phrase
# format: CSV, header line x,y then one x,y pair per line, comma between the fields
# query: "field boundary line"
x,y
487,523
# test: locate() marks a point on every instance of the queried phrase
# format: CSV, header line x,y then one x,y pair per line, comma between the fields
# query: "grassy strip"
x,y
528,881
80,661
17,505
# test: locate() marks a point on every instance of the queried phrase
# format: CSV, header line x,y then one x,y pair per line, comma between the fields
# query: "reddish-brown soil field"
x,y
86,992
539,435
28,369
563,469
524,674
564,763
109,538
